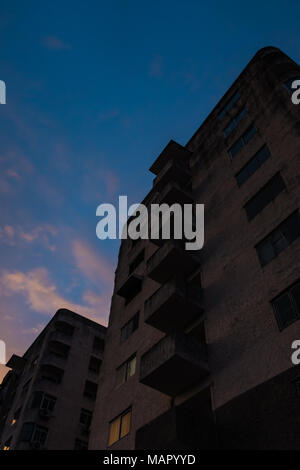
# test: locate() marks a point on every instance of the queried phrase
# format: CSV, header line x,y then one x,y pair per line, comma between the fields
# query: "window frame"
x,y
119,417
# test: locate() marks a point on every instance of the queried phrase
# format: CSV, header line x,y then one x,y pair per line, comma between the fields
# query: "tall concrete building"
x,y
198,350
47,398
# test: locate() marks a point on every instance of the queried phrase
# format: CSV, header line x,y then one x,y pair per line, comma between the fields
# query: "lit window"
x,y
119,427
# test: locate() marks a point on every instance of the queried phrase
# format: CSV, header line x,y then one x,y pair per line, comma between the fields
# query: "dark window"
x,y
126,370
98,344
288,85
80,445
59,349
259,158
267,194
52,373
242,141
234,122
137,261
26,432
229,105
39,436
287,306
48,402
90,390
279,239
95,364
64,328
85,418
130,327
119,427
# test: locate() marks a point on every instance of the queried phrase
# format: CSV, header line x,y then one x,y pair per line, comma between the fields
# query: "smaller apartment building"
x,y
47,398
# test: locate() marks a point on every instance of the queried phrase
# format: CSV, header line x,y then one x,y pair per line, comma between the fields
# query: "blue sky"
x,y
95,90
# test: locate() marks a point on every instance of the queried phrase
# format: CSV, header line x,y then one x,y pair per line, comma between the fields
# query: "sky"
x,y
95,90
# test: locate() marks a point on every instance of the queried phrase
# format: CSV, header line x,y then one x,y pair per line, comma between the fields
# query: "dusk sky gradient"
x,y
95,90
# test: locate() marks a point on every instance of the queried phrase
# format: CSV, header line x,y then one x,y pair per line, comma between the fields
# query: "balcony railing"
x,y
172,171
173,306
174,364
169,259
174,193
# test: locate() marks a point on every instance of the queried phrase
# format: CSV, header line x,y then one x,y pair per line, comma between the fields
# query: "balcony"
x,y
172,151
172,171
169,259
174,364
53,360
188,426
131,287
172,307
174,193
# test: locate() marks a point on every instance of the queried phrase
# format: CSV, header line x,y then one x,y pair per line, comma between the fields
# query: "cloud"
x,y
91,264
43,234
41,294
54,43
156,67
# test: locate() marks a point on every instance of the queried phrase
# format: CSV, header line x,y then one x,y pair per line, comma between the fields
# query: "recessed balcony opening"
x,y
174,364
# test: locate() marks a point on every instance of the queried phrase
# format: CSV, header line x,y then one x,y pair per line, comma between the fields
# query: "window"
x,y
80,445
39,436
16,416
279,239
7,444
85,418
119,427
48,402
98,344
90,390
52,373
288,85
126,370
229,105
242,141
287,306
26,432
267,194
137,261
59,349
234,122
95,364
130,327
254,164
64,328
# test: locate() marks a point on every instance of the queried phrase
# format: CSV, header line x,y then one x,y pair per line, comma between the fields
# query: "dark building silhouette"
x,y
47,398
198,350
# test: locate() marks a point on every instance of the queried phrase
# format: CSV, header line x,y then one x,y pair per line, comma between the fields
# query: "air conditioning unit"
x,y
44,413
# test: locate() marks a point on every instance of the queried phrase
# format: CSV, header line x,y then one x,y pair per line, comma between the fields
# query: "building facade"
x,y
48,396
198,350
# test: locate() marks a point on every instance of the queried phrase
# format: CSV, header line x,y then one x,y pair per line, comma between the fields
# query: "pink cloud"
x,y
92,264
41,294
